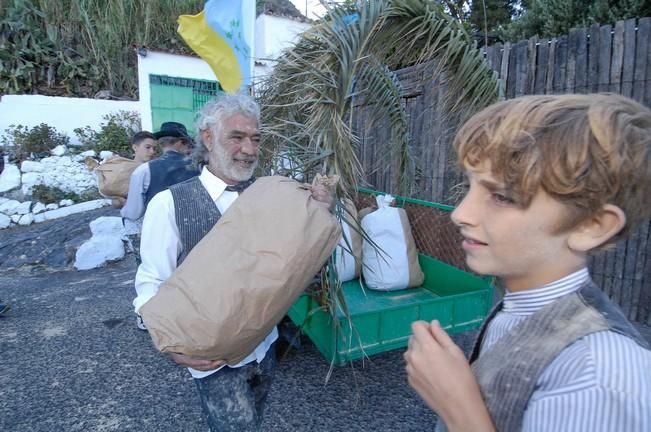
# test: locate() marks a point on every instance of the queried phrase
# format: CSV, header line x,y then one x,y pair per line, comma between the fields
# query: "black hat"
x,y
172,129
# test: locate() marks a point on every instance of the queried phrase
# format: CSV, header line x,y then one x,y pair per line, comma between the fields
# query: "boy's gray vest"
x,y
508,371
195,212
169,169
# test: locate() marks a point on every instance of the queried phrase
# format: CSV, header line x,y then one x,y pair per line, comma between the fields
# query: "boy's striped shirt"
x,y
601,382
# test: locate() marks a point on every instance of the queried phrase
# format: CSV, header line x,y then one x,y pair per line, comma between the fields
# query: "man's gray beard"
x,y
229,167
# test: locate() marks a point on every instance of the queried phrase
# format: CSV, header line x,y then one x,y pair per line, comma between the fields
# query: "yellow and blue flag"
x,y
218,35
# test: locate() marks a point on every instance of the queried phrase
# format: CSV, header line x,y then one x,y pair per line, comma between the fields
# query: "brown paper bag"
x,y
243,276
113,176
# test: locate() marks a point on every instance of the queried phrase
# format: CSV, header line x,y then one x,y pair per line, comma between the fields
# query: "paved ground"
x,y
71,358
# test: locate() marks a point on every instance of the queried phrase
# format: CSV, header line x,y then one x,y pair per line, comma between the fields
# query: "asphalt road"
x,y
72,359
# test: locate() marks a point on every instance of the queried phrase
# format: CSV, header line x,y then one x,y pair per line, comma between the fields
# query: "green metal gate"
x,y
179,99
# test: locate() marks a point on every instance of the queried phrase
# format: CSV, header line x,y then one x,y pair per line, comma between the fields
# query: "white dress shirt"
x,y
160,247
139,181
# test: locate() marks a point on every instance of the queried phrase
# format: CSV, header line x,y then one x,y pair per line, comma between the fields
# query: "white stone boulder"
x,y
91,153
99,250
24,208
76,208
66,203
52,206
9,207
10,178
15,218
107,225
26,219
31,179
39,207
29,166
105,154
5,221
59,150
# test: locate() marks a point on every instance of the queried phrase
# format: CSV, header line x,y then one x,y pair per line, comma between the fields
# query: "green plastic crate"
x,y
381,321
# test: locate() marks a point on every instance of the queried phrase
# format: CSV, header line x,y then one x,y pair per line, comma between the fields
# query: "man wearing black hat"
x,y
159,174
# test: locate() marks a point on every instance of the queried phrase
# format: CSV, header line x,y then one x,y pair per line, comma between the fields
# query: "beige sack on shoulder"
x,y
113,176
243,276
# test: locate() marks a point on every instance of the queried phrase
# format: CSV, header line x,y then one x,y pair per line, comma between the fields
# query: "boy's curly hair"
x,y
583,150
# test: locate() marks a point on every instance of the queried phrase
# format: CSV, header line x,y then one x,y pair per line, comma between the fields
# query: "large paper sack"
x,y
113,176
243,276
395,266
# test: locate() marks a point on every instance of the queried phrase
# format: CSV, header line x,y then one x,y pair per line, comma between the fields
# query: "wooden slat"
x,y
617,58
504,66
629,57
581,66
551,66
642,62
521,66
541,67
605,51
593,59
561,62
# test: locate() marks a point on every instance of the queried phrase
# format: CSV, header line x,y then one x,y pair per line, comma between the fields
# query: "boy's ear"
x,y
598,229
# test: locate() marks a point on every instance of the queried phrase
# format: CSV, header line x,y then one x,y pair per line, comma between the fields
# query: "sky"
x,y
314,8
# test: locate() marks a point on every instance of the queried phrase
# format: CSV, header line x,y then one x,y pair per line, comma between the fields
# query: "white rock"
x,y
66,203
9,207
10,178
39,218
24,208
91,153
15,218
76,208
59,150
39,207
29,166
5,221
108,225
105,154
30,179
52,206
3,200
97,251
26,219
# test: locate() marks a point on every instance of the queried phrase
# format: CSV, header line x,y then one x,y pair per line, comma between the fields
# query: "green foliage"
x,y
39,140
115,133
341,65
549,18
77,47
51,194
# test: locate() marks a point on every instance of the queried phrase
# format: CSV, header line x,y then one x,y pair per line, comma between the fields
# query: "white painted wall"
x,y
272,35
63,113
158,63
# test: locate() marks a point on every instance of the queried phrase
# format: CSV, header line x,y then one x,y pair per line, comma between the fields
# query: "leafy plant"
x,y
38,140
51,194
115,133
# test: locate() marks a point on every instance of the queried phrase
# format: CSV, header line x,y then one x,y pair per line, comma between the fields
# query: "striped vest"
x,y
195,212
509,370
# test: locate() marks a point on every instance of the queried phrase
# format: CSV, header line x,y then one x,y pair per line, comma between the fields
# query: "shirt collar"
x,y
213,184
530,301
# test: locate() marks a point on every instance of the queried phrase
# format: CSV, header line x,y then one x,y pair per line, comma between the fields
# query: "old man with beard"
x,y
227,149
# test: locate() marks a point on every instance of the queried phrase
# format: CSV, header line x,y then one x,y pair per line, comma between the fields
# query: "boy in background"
x,y
551,179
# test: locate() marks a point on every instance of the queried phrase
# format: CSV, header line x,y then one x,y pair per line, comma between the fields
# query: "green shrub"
x,y
115,134
50,194
38,140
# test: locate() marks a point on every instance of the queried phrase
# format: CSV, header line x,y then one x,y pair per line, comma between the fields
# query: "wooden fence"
x,y
596,59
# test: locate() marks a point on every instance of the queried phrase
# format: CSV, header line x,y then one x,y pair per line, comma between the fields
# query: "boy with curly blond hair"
x,y
551,180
